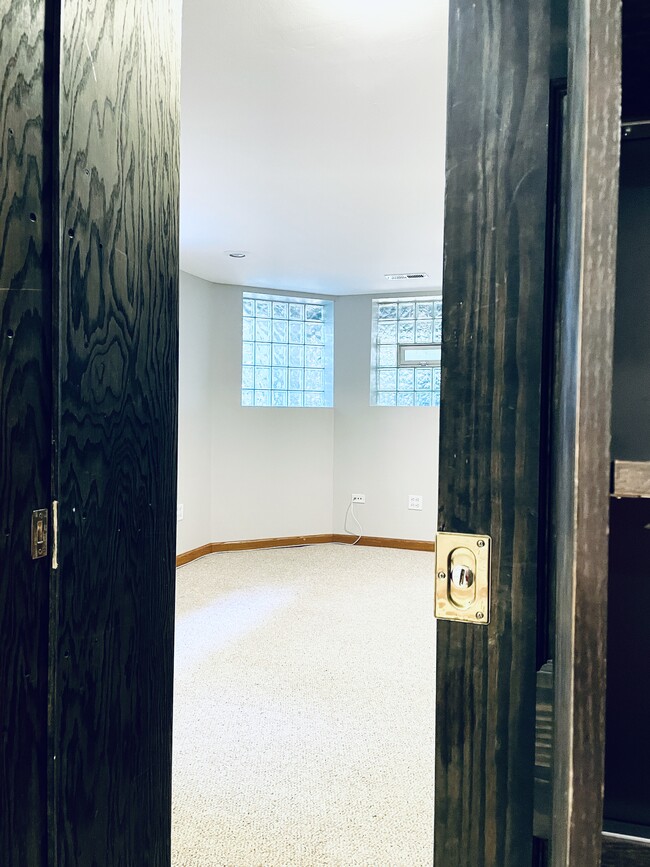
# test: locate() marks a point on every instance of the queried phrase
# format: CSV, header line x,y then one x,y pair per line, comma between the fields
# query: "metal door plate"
x,y
39,534
463,578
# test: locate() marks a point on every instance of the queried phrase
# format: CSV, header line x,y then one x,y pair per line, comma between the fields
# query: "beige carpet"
x,y
304,708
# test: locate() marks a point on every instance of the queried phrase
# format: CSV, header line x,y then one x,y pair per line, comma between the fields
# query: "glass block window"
x,y
399,325
287,351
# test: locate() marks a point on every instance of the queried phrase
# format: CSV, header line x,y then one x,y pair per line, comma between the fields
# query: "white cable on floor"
x,y
350,510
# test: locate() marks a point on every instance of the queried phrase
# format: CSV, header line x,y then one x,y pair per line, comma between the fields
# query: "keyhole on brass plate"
x,y
462,577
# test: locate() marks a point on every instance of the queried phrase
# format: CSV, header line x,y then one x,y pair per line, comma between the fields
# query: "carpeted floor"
x,y
304,708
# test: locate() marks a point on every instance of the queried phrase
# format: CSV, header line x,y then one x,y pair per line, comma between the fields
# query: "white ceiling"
x,y
312,137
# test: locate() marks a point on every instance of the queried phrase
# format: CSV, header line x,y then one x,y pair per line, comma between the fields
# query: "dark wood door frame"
x,y
89,169
495,217
494,277
25,429
116,298
586,301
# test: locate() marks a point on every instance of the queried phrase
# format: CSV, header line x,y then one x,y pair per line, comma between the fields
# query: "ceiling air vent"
x,y
416,275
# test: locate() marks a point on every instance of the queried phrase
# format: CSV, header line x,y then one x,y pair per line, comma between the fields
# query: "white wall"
x,y
269,472
385,453
197,310
271,467
257,472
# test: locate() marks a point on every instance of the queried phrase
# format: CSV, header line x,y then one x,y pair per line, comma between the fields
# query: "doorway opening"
x,y
311,201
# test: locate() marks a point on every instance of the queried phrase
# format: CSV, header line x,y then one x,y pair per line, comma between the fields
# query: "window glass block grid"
x,y
287,351
404,321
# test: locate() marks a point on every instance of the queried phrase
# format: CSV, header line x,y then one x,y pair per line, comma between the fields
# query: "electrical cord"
x,y
350,511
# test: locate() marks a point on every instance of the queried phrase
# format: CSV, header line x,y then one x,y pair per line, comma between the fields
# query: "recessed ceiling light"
x,y
236,254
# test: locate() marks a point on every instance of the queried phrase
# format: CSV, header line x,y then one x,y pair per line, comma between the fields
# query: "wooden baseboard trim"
x,y
293,541
194,554
385,542
281,542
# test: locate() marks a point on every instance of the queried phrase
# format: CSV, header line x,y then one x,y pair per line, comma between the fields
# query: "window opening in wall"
x,y
287,351
406,348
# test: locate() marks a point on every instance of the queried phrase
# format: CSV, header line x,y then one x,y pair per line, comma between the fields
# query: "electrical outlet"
x,y
415,502
179,512
358,498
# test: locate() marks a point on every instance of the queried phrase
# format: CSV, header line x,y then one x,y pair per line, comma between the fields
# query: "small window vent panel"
x,y
416,275
418,355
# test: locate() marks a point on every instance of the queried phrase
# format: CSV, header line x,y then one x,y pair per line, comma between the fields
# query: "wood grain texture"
x,y
292,541
621,852
586,306
116,435
495,215
631,479
25,406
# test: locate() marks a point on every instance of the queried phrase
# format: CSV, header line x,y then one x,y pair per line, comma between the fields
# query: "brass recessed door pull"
x,y
463,578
